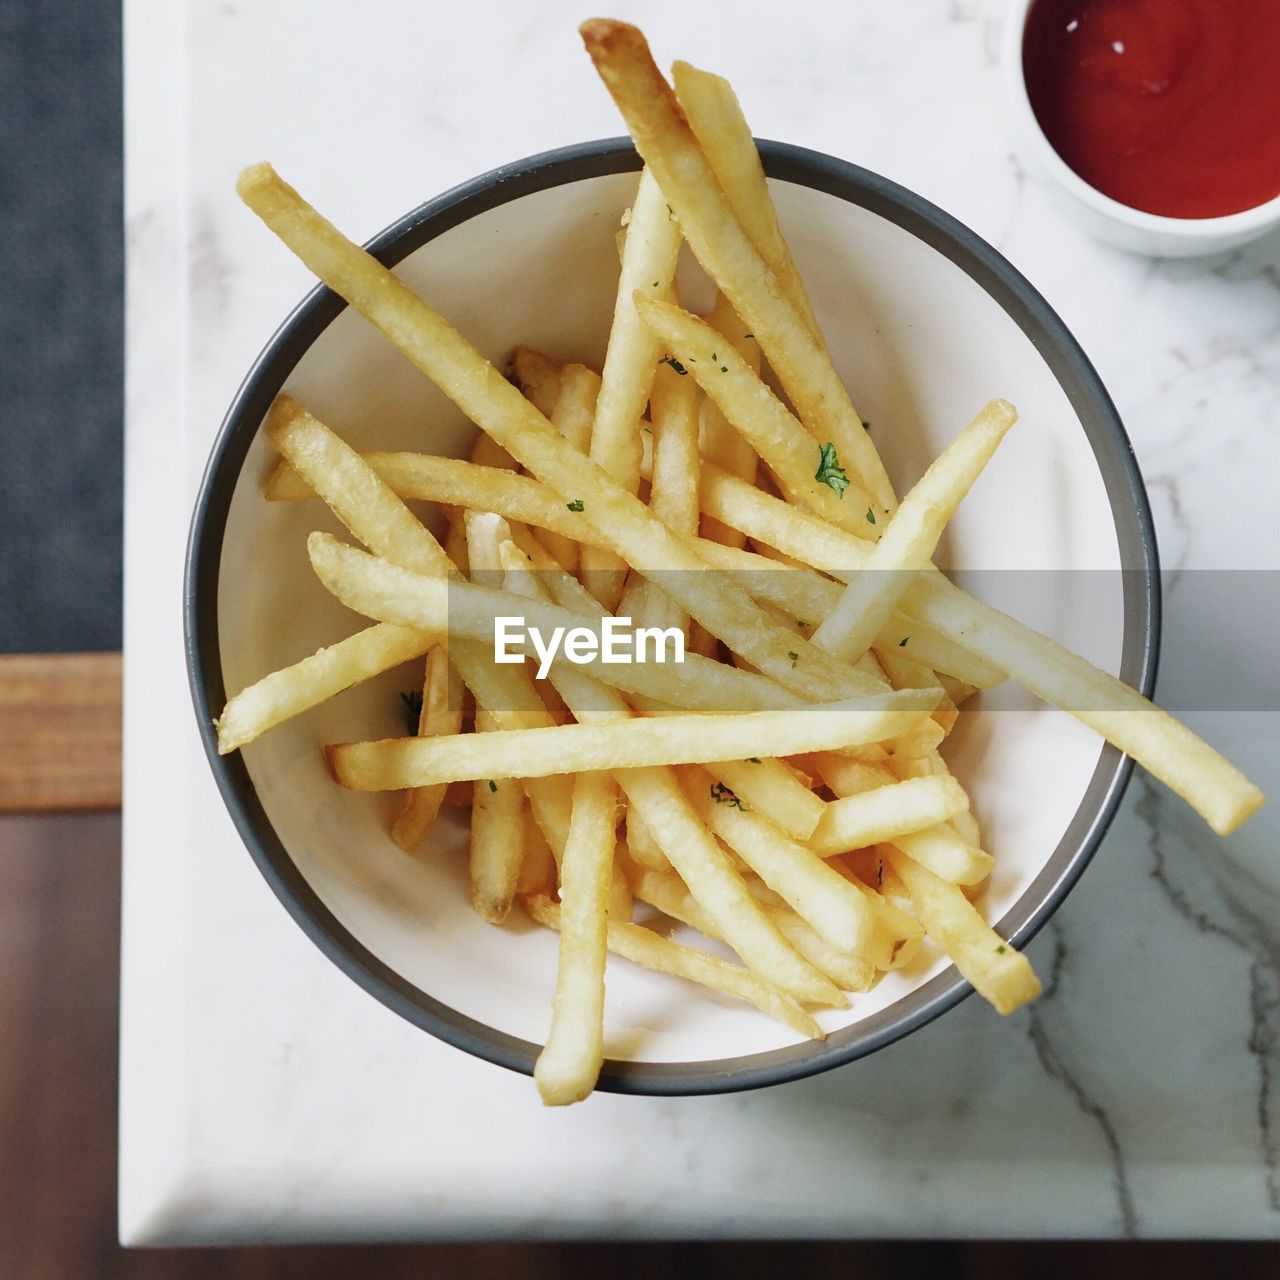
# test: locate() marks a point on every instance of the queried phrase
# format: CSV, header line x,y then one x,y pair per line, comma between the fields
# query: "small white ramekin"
x,y
1102,217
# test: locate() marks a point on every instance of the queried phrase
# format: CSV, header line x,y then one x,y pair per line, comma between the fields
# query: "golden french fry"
x,y
576,407
648,263
802,593
356,494
488,399
721,444
569,1064
537,862
816,893
395,763
655,795
856,821
642,847
289,692
907,673
668,894
998,973
644,947
497,845
798,461
716,118
538,378
574,412
441,713
1214,787
773,790
908,543
378,588
664,139
673,492
708,871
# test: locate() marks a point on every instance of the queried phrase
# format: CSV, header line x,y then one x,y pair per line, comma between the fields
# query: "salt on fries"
x,y
781,790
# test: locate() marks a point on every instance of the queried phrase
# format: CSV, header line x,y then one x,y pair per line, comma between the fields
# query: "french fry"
x,y
648,263
721,444
497,844
642,847
489,400
1214,787
395,763
574,412
537,862
816,893
569,1064
664,139
673,494
668,894
655,795
802,593
948,660
999,974
764,421
576,407
1211,784
353,490
854,822
770,788
946,854
932,765
441,713
644,947
894,932
715,116
497,823
907,545
379,588
907,673
938,847
289,692
705,867
537,377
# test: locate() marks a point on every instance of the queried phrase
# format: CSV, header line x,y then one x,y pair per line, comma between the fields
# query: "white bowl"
x,y
926,323
1099,215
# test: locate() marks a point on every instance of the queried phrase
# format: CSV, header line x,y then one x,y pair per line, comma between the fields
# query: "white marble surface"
x,y
264,1097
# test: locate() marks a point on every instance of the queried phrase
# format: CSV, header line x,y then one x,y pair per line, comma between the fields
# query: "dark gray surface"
x,y
61,325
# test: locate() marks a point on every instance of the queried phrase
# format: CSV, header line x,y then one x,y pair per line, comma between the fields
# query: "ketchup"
x,y
1170,106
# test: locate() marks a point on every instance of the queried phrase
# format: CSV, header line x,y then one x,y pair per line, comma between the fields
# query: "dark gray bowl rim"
x,y
1081,384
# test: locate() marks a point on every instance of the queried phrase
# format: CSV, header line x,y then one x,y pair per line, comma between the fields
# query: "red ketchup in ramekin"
x,y
1168,106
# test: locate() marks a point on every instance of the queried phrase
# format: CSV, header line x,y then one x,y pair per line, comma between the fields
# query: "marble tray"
x,y
264,1097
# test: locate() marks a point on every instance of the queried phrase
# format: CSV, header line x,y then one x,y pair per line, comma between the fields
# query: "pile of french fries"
x,y
782,790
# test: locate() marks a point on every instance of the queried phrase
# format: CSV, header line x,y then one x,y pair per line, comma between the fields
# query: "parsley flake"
x,y
753,759
871,516
1001,949
493,786
830,472
794,656
674,363
722,795
576,505
902,644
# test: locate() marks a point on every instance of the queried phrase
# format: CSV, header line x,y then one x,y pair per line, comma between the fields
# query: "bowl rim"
x,y
1256,218
1112,451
